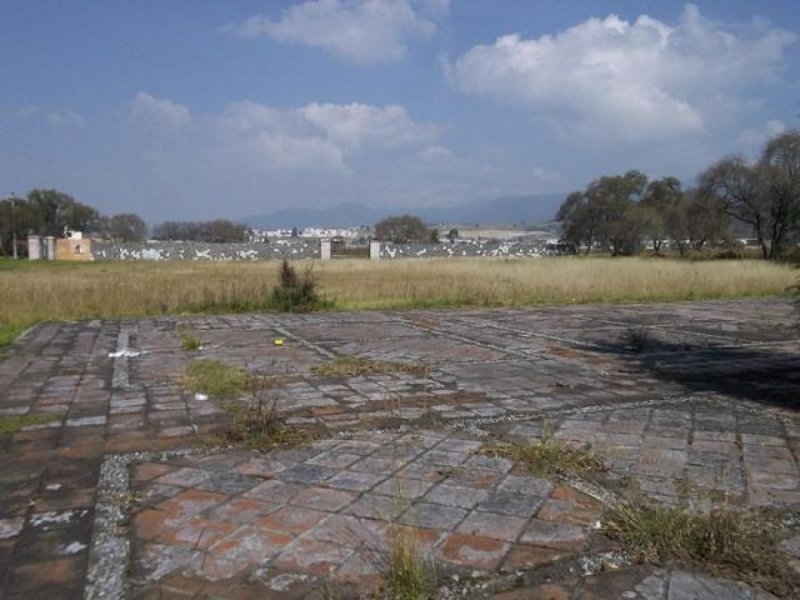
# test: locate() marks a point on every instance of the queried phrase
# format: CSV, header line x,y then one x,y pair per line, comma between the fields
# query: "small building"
x,y
74,246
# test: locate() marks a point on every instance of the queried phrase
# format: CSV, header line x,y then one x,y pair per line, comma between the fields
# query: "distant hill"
x,y
507,210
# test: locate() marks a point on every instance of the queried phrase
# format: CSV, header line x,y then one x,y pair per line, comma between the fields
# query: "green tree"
x,y
740,188
606,213
402,230
659,201
779,168
452,235
53,212
697,220
126,227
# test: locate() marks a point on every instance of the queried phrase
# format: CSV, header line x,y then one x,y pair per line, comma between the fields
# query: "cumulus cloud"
x,y
352,125
635,81
317,136
274,138
159,111
365,32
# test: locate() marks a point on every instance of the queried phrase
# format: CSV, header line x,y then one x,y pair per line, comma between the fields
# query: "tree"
x,y
739,187
606,212
218,231
765,195
452,235
698,219
402,230
780,169
661,196
53,212
579,221
126,227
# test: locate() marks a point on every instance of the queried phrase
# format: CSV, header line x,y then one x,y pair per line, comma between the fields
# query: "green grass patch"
x,y
217,379
742,545
16,423
352,366
10,331
189,340
547,457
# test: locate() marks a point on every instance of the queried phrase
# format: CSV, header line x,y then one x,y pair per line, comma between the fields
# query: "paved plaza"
x,y
113,490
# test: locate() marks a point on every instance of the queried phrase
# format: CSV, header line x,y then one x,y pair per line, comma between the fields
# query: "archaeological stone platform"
x,y
111,494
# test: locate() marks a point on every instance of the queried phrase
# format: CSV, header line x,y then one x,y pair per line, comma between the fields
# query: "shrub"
x,y
295,293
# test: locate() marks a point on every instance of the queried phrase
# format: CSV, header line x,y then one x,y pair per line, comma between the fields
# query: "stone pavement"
x,y
692,402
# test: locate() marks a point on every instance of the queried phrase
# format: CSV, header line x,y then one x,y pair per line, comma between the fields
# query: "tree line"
x,y
52,213
618,214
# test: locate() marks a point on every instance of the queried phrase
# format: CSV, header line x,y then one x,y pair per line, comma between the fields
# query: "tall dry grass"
x,y
33,292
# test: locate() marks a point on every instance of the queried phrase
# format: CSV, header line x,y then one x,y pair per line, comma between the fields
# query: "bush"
x,y
295,293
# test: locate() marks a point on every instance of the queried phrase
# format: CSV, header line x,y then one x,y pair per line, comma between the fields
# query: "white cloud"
x,y
57,117
754,137
365,32
159,111
352,125
435,154
631,81
315,136
271,137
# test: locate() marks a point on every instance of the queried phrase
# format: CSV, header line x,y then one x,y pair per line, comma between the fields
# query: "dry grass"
x,y
736,544
31,292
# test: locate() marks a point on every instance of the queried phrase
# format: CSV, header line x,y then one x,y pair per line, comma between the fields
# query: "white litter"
x,y
126,353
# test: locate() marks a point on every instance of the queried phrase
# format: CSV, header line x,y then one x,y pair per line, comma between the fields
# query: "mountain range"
x,y
507,210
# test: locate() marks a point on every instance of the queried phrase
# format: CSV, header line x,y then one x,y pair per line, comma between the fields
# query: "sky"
x,y
199,109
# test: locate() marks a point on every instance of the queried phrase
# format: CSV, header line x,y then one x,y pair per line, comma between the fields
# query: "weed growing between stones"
x,y
408,578
547,457
189,340
742,545
257,424
352,366
16,423
217,379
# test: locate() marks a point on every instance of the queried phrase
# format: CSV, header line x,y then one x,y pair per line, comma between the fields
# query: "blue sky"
x,y
194,109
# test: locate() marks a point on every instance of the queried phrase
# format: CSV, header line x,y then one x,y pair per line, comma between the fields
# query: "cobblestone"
x,y
705,409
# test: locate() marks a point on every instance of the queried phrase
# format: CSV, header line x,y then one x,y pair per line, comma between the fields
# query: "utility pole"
x,y
13,226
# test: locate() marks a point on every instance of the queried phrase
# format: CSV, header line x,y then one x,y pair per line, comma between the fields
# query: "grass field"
x,y
31,292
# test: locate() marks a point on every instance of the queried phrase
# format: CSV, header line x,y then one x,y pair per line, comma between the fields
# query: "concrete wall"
x,y
464,248
205,251
73,249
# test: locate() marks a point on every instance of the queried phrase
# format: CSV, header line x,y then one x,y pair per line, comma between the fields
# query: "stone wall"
x,y
205,251
464,248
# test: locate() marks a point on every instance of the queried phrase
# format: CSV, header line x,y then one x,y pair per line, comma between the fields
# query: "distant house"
x,y
74,246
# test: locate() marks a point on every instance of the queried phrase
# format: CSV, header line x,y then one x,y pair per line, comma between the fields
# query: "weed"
x,y
16,423
546,456
257,424
295,293
408,577
217,379
737,544
189,339
352,366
